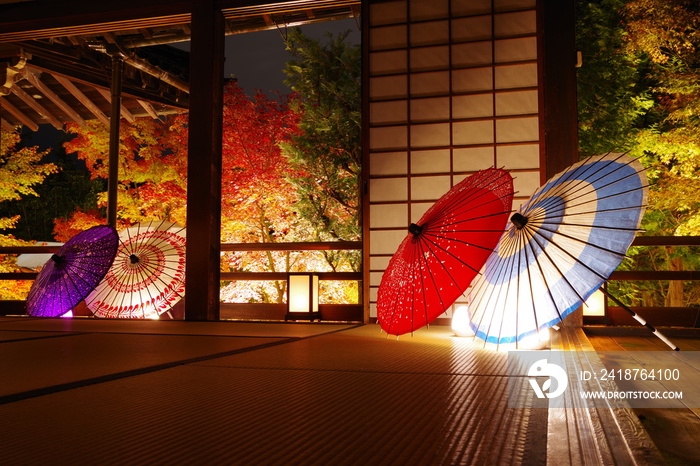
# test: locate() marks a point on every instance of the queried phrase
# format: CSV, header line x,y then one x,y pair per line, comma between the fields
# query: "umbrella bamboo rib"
x,y
561,187
499,273
445,269
462,242
471,219
477,192
529,245
556,267
464,203
570,205
587,243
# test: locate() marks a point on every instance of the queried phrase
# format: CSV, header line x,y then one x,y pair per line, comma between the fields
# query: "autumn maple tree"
x,y
21,169
152,170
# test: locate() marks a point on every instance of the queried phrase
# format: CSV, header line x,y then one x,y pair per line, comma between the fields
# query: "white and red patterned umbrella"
x,y
148,275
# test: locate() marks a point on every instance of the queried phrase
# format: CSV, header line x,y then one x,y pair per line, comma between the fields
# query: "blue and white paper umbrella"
x,y
560,247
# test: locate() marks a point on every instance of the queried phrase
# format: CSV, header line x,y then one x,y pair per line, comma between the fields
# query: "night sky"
x,y
257,58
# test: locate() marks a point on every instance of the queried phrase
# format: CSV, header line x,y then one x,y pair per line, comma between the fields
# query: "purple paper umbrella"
x,y
73,272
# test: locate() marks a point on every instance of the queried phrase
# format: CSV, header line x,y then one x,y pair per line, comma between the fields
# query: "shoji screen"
x,y
452,90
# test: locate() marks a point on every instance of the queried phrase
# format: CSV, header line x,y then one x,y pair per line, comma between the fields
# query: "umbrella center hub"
x,y
134,259
58,259
518,220
415,229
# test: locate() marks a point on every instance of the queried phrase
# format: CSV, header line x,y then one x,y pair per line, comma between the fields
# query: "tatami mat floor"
x,y
115,392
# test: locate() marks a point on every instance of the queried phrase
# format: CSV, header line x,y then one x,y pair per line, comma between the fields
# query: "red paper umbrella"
x,y
444,251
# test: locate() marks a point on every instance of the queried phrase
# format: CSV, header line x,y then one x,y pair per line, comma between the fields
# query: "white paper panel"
x,y
437,108
472,28
515,76
471,54
388,12
388,215
375,278
428,9
385,241
472,106
389,37
470,7
432,83
471,80
386,87
394,61
521,49
430,58
517,129
390,137
378,262
388,112
516,103
430,161
520,156
388,189
472,132
525,183
515,24
430,135
418,209
472,159
505,5
430,33
429,187
388,163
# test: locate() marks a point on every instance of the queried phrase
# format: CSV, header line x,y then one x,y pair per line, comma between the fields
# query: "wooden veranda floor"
x,y
91,391
676,432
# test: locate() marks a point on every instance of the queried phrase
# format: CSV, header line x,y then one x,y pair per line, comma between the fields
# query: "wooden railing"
x,y
353,312
691,317
666,316
272,311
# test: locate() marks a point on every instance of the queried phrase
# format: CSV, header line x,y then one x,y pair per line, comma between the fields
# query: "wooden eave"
x,y
69,45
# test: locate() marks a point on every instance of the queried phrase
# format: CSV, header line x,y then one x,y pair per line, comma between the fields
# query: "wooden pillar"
x,y
204,162
557,87
557,93
114,122
364,174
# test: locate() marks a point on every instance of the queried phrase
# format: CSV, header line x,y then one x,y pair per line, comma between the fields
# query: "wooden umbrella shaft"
x,y
639,319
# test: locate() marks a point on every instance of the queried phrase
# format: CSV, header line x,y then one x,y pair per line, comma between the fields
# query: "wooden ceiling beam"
x,y
60,103
82,98
21,117
147,33
125,113
110,37
37,107
4,124
149,109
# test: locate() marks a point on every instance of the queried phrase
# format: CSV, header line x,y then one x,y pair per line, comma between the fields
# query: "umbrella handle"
x,y
641,320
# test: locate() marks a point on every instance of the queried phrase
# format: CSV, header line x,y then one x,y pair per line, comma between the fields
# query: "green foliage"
x,y
613,96
639,90
326,153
